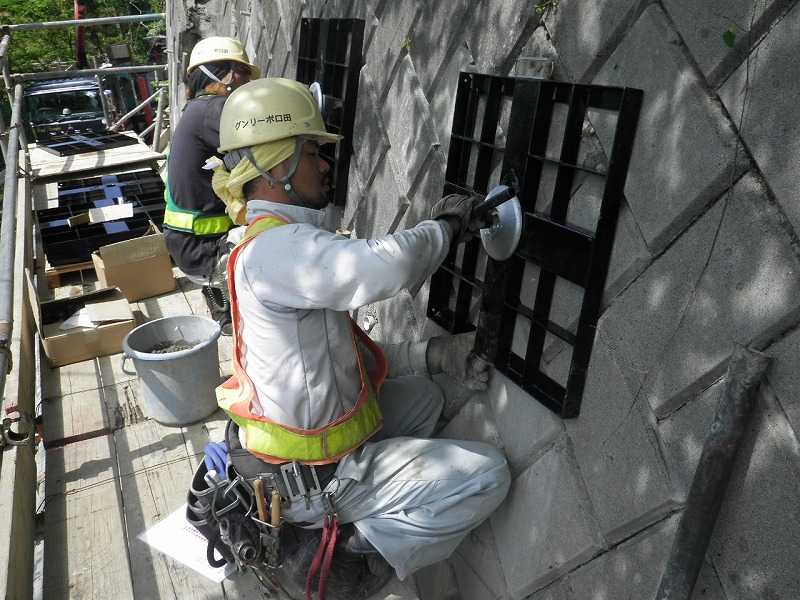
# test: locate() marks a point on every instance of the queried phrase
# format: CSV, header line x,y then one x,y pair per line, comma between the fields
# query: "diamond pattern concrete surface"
x,y
631,571
675,327
527,428
546,523
370,141
474,422
784,376
618,453
672,175
702,26
568,26
759,510
769,126
406,114
477,566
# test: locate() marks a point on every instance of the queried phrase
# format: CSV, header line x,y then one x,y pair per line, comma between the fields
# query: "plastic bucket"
x,y
177,386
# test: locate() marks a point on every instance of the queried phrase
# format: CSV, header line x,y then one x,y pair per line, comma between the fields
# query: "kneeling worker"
x,y
303,388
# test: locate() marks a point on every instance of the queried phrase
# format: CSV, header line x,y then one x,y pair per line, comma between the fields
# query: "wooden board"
x,y
85,543
46,164
157,464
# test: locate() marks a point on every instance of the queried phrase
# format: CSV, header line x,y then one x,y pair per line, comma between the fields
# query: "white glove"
x,y
453,356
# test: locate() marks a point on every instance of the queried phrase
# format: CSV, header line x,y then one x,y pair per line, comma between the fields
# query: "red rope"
x,y
323,558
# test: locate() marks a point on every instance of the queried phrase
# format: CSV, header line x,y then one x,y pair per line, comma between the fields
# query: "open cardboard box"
x,y
140,267
107,308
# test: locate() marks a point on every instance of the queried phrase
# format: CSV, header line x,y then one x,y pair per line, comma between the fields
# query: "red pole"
x,y
80,37
142,85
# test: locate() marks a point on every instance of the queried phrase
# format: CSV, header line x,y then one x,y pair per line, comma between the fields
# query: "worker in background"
x,y
196,222
309,385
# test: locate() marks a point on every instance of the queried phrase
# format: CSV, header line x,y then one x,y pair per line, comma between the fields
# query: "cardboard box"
x,y
107,308
140,267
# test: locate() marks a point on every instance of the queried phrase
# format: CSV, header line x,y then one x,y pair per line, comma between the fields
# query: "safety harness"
x,y
276,443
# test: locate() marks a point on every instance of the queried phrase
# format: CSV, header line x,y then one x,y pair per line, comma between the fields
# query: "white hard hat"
x,y
271,109
214,49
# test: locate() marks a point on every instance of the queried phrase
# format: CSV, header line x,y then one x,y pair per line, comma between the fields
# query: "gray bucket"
x,y
178,387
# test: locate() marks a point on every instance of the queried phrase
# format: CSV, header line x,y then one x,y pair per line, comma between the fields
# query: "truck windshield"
x,y
65,105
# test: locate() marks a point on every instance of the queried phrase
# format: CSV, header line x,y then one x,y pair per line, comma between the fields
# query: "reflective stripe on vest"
x,y
276,443
194,221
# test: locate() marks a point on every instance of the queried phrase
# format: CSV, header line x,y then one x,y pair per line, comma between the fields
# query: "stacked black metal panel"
x,y
79,143
64,245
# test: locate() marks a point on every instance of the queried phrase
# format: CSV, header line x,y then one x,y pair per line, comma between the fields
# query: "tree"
x,y
32,51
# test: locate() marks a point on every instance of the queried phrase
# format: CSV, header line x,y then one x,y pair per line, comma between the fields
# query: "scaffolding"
x,y
18,345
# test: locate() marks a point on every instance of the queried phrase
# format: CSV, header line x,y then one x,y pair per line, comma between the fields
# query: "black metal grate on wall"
x,y
330,53
536,313
65,245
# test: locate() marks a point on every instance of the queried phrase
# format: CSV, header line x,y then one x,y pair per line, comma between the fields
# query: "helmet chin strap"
x,y
214,77
237,155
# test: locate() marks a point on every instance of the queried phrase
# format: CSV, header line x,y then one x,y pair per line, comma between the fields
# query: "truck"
x,y
83,103
77,104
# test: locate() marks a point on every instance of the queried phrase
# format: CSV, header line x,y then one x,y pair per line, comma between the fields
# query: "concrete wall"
x,y
706,256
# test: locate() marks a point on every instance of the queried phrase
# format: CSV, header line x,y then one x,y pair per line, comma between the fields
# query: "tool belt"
x,y
295,481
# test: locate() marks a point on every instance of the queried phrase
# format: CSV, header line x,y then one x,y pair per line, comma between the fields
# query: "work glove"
x,y
453,355
216,457
460,207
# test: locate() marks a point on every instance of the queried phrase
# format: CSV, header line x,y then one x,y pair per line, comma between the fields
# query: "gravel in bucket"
x,y
167,347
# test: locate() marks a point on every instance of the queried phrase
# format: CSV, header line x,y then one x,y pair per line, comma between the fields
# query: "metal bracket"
x,y
5,336
293,474
21,436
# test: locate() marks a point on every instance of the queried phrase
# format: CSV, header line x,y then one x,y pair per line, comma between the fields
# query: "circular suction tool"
x,y
316,91
501,239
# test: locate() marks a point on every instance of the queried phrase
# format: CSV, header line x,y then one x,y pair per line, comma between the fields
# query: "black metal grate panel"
x,y
535,314
65,245
79,143
330,53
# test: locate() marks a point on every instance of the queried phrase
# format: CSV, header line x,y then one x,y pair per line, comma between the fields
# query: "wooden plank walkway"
x,y
112,473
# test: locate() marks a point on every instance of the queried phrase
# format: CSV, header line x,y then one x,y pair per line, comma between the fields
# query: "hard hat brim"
x,y
255,72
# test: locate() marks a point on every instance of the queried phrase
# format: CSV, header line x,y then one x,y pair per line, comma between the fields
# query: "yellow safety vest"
x,y
194,221
276,443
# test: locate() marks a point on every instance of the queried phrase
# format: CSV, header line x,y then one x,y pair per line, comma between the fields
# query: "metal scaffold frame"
x,y
18,344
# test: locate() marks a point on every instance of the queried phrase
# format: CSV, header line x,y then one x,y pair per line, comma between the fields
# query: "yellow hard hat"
x,y
271,109
214,49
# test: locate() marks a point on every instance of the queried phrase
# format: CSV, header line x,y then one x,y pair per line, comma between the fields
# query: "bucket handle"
x,y
122,365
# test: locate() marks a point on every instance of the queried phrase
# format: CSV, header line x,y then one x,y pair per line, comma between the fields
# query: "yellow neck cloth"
x,y
228,184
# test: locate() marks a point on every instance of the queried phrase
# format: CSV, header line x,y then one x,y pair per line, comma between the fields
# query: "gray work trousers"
x,y
414,499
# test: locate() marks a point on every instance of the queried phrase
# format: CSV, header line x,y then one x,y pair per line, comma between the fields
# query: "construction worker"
x,y
196,222
311,395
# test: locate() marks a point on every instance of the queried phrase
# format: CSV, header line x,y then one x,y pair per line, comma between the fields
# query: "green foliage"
x,y
729,37
32,51
406,44
545,5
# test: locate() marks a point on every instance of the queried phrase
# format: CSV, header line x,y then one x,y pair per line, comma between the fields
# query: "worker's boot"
x,y
357,576
352,541
358,567
352,576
